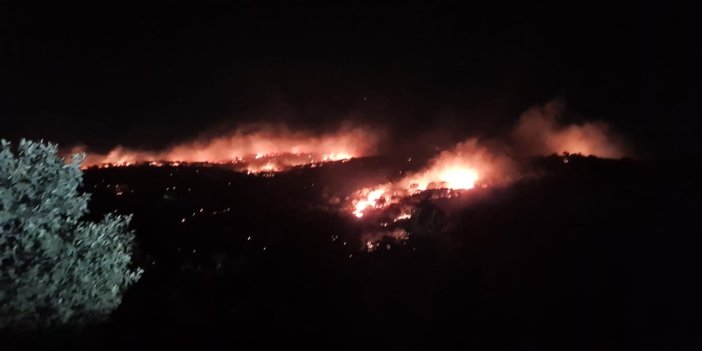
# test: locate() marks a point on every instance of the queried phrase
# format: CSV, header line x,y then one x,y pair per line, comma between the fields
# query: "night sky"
x,y
149,74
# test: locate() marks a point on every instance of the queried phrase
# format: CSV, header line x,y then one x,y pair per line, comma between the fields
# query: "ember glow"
x,y
370,198
471,164
254,149
372,240
464,167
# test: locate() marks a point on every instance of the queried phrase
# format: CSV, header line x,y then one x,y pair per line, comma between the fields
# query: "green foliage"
x,y
55,268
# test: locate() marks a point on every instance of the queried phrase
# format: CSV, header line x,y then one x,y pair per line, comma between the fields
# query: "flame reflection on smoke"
x,y
253,149
538,133
464,167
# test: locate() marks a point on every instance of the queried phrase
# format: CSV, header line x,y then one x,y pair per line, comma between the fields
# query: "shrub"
x,y
55,268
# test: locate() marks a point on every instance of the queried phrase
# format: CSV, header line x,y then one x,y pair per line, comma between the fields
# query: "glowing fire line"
x,y
253,150
461,168
453,178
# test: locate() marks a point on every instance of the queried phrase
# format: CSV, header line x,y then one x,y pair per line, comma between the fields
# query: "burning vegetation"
x,y
474,163
467,165
385,206
252,149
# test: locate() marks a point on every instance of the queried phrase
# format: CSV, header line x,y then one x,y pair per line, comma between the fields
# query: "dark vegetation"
x,y
591,254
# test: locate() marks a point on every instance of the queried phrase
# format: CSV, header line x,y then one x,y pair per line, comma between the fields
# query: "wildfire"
x,y
373,198
464,167
455,177
470,164
253,149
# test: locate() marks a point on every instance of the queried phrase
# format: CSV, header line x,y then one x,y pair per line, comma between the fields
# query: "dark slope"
x,y
588,254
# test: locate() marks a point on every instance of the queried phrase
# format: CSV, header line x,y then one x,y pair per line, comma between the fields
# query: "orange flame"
x,y
253,149
461,168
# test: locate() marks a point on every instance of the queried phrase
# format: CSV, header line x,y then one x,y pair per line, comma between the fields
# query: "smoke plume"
x,y
538,133
262,147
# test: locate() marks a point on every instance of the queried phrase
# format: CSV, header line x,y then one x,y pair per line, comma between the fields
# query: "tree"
x,y
427,220
54,267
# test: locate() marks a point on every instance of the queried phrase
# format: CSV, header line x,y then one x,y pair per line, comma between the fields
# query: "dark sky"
x,y
147,74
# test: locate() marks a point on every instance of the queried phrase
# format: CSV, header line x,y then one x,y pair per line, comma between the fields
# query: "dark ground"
x,y
593,254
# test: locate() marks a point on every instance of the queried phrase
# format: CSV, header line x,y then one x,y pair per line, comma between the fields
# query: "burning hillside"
x,y
252,149
385,204
467,165
473,163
